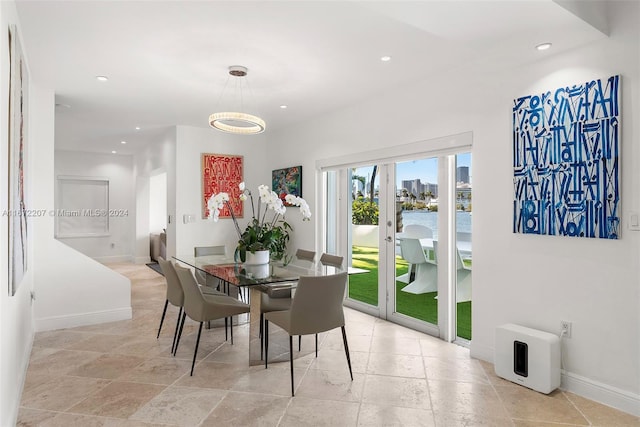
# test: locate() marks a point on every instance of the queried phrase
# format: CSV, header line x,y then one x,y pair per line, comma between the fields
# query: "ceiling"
x,y
167,61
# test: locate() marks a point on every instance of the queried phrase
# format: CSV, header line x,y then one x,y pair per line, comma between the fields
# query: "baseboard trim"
x,y
602,393
82,319
112,259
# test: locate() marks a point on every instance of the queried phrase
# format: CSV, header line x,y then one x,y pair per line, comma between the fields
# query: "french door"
x,y
398,221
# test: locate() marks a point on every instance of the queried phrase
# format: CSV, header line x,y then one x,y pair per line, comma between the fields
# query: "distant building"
x,y
462,174
414,186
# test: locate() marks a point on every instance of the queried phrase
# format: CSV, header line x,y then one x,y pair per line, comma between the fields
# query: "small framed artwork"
x,y
222,173
287,181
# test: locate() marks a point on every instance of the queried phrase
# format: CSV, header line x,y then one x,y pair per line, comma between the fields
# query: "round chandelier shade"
x,y
237,122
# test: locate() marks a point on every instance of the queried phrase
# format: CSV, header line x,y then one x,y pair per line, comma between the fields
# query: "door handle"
x,y
389,239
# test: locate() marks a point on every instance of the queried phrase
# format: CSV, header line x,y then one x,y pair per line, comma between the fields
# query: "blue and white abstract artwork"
x,y
565,161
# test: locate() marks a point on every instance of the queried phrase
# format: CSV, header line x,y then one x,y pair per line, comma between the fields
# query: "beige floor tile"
x,y
472,420
526,404
311,412
237,353
64,338
601,415
465,398
391,416
356,342
61,362
336,360
248,409
396,365
355,327
60,393
493,378
118,399
108,366
158,370
393,391
209,342
28,417
456,369
213,375
434,347
77,420
331,385
396,345
384,328
180,405
274,380
102,343
528,423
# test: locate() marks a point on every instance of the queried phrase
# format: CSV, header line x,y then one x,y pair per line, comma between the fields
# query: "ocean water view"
x,y
430,219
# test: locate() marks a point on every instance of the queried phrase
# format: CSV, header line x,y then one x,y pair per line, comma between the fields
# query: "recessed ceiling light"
x,y
102,78
137,127
123,142
113,152
385,58
543,46
284,107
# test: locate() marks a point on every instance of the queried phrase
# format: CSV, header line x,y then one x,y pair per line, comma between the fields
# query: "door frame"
x,y
445,148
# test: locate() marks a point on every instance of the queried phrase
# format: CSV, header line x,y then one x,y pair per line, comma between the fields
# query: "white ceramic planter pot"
x,y
257,258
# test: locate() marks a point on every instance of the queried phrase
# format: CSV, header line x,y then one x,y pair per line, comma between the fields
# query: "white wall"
x,y
158,202
191,143
118,169
16,314
531,280
159,157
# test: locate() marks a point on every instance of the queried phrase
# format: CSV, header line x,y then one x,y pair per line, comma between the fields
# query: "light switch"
x,y
634,221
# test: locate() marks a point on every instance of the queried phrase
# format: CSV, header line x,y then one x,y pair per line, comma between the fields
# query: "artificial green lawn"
x,y
364,287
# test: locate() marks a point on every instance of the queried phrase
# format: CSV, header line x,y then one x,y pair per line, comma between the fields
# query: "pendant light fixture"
x,y
236,121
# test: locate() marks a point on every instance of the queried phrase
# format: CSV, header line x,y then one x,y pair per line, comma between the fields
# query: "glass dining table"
x,y
252,281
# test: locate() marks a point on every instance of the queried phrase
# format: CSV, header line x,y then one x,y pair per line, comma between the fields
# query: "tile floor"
x,y
119,374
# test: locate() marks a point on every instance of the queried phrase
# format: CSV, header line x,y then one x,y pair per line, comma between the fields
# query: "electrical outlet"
x,y
565,328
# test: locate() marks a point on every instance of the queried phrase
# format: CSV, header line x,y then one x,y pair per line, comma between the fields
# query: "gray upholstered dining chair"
x,y
175,296
201,308
278,300
201,276
316,307
332,260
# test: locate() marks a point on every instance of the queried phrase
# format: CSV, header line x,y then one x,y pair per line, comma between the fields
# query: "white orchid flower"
x,y
241,186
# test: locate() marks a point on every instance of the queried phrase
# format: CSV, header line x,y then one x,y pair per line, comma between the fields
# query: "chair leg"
x,y
184,315
195,353
175,334
231,328
261,335
226,332
346,350
316,345
166,303
291,360
299,342
266,342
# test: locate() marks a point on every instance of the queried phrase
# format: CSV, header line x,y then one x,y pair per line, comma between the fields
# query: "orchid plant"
x,y
264,232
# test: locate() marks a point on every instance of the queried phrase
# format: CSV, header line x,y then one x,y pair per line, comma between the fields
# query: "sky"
x,y
424,169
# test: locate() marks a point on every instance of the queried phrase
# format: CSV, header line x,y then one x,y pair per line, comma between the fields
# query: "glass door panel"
x,y
364,183
416,285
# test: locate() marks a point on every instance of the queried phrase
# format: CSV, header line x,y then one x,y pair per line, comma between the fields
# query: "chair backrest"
x,y
459,263
193,299
417,231
305,255
174,289
201,276
411,250
317,304
332,260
